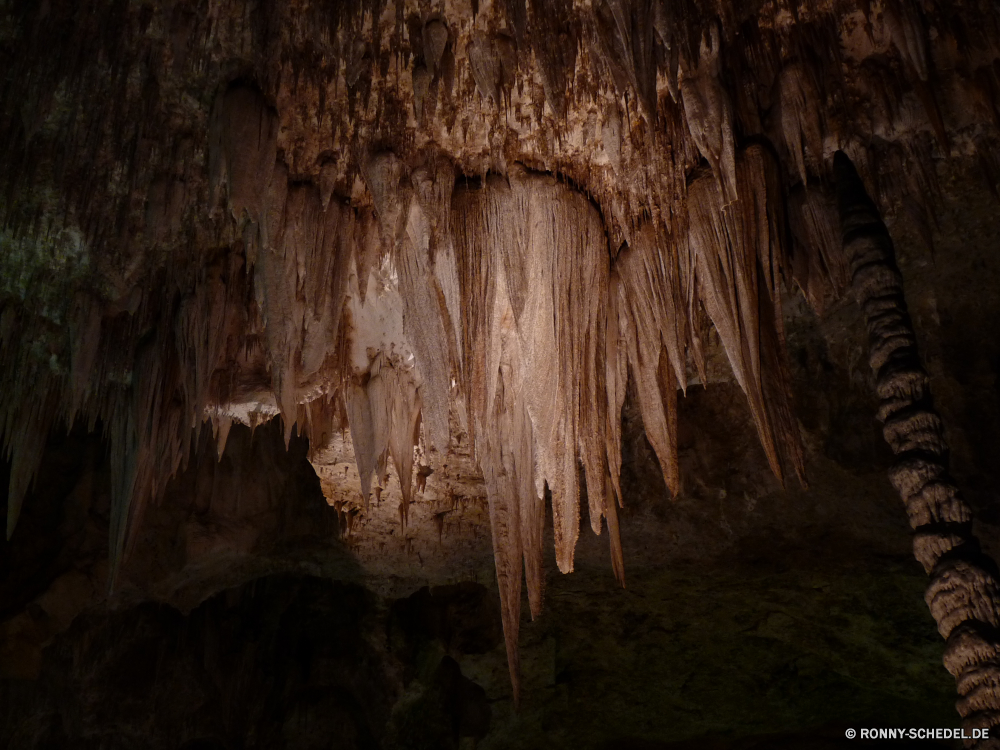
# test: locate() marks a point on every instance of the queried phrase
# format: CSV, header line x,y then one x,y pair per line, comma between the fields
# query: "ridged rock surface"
x,y
403,294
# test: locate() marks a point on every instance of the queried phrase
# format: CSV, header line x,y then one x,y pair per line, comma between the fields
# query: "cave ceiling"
x,y
449,242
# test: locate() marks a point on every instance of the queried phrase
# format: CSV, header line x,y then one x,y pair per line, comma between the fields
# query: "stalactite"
x,y
818,263
627,38
533,269
383,395
652,321
555,40
421,82
906,29
485,63
31,428
963,594
243,139
298,300
740,252
384,415
515,513
616,381
799,110
225,424
426,318
709,112
301,251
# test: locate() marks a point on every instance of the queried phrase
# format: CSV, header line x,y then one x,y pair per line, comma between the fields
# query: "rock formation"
x,y
963,594
446,238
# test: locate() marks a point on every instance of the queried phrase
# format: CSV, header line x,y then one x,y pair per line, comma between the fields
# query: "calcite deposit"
x,y
439,240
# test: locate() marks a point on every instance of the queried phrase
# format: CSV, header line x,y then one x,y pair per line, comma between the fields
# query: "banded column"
x,y
963,595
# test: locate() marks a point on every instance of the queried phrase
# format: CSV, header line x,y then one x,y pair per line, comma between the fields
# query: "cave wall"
x,y
750,611
359,292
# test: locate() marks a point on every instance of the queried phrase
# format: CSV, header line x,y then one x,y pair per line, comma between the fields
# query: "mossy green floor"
x,y
721,652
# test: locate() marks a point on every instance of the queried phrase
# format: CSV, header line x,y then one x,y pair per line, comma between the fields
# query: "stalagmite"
x,y
963,594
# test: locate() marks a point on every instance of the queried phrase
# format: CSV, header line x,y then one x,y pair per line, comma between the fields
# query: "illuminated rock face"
x,y
448,243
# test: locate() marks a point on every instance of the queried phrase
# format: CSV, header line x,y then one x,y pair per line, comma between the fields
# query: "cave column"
x,y
963,594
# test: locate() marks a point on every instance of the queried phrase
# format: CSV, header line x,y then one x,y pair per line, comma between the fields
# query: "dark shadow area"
x,y
63,519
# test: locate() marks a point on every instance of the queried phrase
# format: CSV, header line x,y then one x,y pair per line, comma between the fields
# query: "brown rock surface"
x,y
351,300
